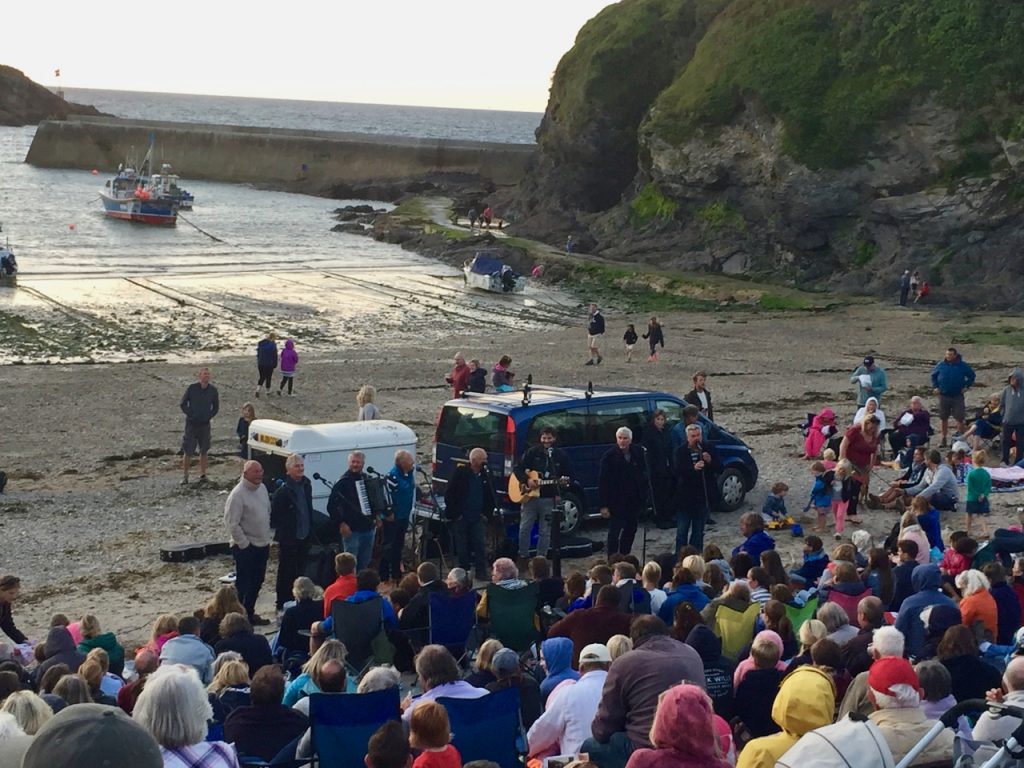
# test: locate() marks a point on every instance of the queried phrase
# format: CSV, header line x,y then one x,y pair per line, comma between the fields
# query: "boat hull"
x,y
152,212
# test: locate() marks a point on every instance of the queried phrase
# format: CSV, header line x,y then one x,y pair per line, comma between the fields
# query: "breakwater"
x,y
308,161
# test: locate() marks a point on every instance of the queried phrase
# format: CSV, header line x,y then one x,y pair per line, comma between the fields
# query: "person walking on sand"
x,y
630,339
472,218
904,287
871,381
200,404
654,336
595,330
266,361
289,362
486,217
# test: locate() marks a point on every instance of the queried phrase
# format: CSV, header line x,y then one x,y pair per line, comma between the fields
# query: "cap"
x,y
869,360
505,660
889,671
92,734
595,652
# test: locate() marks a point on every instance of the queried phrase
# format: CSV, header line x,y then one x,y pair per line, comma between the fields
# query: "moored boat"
x,y
8,266
132,196
167,183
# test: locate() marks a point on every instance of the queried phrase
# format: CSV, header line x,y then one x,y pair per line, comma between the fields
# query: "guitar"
x,y
519,492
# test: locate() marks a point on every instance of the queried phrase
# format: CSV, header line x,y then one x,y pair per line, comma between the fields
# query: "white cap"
x,y
596,652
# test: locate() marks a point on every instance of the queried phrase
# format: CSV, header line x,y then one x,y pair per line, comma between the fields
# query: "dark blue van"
x,y
506,423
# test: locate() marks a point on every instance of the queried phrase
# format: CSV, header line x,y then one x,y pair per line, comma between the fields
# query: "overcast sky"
x,y
449,53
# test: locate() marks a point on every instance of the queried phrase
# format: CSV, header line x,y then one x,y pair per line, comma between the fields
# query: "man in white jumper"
x,y
247,517
565,723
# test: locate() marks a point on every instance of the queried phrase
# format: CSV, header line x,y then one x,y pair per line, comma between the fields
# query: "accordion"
x,y
374,497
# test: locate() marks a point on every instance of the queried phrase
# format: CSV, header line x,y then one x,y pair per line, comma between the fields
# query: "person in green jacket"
x,y
94,637
879,381
979,487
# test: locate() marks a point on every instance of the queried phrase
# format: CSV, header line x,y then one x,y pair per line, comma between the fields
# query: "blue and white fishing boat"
x,y
131,196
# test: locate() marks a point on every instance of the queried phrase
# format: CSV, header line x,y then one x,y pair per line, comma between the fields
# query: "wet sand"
x,y
91,449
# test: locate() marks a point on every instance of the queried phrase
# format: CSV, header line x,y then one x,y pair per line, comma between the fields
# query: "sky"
x,y
446,53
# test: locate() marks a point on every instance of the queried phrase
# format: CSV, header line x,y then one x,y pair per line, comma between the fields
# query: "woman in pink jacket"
x,y
822,427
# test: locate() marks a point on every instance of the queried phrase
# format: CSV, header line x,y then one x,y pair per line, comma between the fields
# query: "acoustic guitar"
x,y
519,492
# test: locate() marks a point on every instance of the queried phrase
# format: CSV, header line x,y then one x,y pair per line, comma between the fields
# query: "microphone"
x,y
316,476
371,471
551,452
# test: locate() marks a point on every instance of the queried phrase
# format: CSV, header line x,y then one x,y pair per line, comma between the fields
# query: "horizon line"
x,y
298,101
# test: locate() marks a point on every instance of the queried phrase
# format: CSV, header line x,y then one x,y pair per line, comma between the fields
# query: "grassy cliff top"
x,y
831,70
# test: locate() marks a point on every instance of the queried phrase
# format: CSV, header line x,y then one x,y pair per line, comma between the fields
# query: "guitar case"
x,y
185,553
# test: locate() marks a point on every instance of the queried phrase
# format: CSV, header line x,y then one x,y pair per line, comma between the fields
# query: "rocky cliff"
x,y
821,143
23,102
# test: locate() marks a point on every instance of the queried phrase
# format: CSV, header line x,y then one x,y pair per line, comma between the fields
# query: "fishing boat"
x,y
131,196
489,273
167,182
8,266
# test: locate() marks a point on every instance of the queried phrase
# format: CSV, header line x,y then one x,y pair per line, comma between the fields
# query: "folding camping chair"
x,y
487,728
342,724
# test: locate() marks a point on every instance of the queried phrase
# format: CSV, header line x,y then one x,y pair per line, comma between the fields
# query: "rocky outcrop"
x,y
23,102
791,145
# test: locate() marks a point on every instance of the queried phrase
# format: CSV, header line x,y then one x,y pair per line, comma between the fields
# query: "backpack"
x,y
827,747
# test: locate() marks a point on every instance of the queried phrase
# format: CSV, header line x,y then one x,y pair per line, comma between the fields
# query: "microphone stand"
x,y
422,525
556,529
324,480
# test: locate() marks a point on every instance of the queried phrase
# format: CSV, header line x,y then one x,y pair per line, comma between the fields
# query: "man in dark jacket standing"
x,y
695,468
700,395
658,446
1011,405
631,690
357,527
266,362
950,377
291,517
550,465
200,403
622,491
469,500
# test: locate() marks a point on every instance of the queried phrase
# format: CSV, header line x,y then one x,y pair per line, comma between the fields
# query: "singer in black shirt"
x,y
551,464
357,529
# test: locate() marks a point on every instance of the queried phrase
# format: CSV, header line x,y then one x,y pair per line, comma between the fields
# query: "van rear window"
x,y
465,427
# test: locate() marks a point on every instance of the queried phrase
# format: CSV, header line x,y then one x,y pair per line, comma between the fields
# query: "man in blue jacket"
x,y
950,378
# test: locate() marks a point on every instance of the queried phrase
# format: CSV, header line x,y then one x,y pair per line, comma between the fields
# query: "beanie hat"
x,y
93,734
889,671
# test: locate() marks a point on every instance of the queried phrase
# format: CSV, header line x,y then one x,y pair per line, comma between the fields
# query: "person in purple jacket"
x,y
289,361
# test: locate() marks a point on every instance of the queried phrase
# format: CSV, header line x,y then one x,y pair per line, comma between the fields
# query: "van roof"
x,y
541,395
284,437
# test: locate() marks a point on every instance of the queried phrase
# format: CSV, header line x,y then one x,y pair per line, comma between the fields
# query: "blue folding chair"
x,y
452,621
342,724
487,728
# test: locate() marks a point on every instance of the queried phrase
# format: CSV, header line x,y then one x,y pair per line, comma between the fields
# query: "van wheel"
x,y
572,513
732,489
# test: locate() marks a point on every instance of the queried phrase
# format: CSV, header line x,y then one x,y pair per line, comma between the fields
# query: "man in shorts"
x,y
950,378
595,330
200,403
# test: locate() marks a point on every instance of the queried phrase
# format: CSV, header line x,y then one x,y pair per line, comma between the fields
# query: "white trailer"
x,y
325,448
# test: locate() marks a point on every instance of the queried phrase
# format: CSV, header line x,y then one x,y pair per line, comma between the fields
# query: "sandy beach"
x,y
90,449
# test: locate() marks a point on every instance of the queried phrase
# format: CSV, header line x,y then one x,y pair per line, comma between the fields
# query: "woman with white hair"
x,y
14,742
28,709
837,622
977,604
175,710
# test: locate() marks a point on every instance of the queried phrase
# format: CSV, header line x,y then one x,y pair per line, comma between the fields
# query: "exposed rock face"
x,y
738,179
23,102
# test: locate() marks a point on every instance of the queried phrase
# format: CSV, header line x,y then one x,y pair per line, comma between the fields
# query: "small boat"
x,y
489,273
131,196
167,183
8,266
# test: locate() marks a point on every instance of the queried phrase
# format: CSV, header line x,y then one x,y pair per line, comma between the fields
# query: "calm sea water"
x,y
54,219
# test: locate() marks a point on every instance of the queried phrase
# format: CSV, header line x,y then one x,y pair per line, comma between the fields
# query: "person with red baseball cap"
x,y
895,693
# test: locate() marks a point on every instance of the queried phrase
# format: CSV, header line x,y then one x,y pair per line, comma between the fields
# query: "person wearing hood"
x,y
936,620
950,377
59,649
1011,405
875,383
625,716
927,582
823,426
266,361
806,700
289,362
565,724
871,406
757,541
556,653
683,734
684,588
718,670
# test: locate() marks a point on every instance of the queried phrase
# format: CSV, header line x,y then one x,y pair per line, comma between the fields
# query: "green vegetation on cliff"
x,y
831,70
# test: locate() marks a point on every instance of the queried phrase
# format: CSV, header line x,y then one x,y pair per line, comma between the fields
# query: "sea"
x,y
53,218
